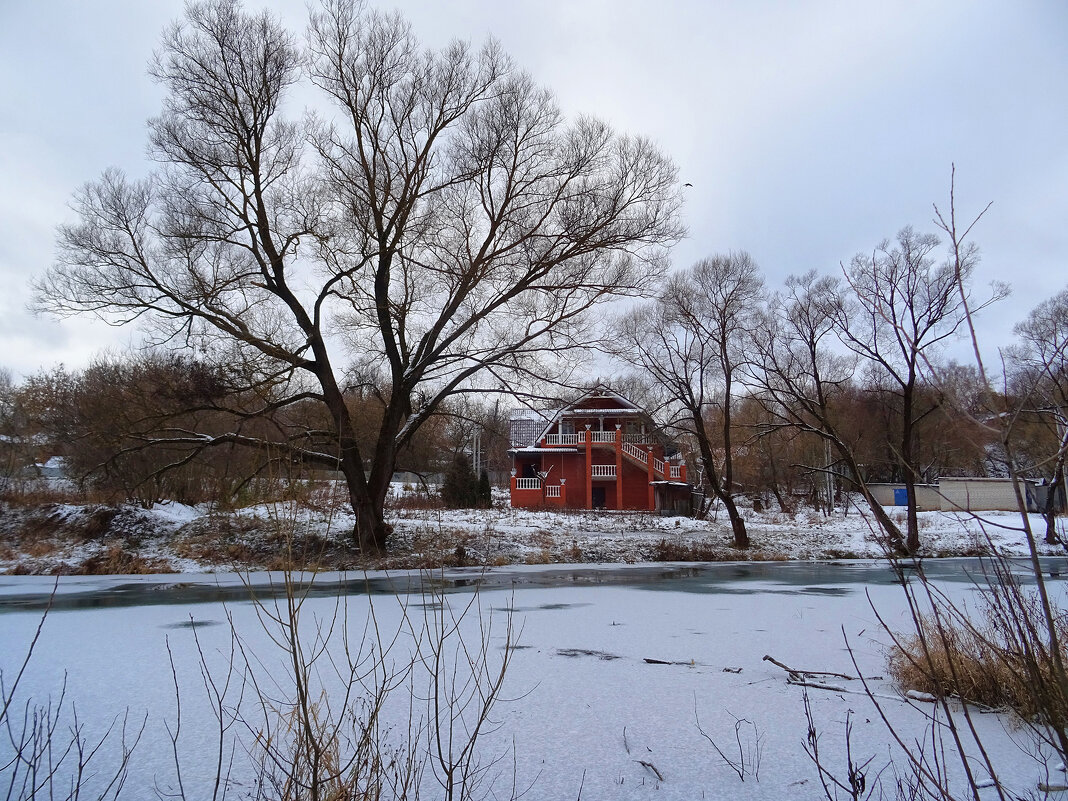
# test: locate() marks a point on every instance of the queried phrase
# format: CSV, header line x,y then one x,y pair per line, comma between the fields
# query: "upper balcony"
x,y
609,437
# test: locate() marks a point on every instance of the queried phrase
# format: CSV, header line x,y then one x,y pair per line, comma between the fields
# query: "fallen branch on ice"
x,y
800,674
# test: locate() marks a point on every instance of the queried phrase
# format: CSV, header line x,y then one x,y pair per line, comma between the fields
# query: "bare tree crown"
x,y
443,226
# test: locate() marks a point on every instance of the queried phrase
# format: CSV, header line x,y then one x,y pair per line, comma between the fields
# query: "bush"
x,y
978,662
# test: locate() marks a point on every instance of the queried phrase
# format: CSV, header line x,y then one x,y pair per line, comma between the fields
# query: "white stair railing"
x,y
636,453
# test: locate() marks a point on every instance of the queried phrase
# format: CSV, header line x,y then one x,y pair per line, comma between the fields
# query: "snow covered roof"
x,y
526,414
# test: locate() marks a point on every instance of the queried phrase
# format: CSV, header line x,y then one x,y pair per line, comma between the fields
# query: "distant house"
x,y
600,452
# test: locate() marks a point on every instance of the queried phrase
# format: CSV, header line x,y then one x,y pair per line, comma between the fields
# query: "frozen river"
x,y
615,670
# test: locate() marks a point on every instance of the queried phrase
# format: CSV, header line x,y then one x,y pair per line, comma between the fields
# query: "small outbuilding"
x,y
968,494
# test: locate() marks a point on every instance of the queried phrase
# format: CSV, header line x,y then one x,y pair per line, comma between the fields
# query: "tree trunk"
x,y
719,488
1049,512
894,541
741,536
912,537
912,541
370,530
775,488
893,534
1051,498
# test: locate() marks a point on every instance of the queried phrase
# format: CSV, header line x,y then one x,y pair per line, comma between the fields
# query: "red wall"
x,y
572,467
635,487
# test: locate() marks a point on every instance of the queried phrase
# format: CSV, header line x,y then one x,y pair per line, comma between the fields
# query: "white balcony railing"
x,y
552,491
528,483
603,436
562,439
676,471
603,470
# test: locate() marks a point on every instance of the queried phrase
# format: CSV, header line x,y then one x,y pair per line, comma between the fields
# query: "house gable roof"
x,y
583,408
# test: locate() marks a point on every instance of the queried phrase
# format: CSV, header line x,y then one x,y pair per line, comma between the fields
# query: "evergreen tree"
x,y
485,494
459,489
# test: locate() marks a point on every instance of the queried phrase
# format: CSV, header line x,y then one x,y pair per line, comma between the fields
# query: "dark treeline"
x,y
132,428
129,427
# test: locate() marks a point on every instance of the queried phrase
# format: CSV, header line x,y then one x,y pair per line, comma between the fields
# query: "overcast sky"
x,y
809,131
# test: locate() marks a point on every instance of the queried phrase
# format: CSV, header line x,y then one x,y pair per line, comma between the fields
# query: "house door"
x,y
598,497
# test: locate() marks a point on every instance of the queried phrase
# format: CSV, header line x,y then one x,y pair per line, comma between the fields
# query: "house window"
x,y
530,470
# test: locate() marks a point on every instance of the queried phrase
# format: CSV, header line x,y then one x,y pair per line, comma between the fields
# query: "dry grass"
x,y
211,550
41,548
432,548
676,550
244,543
542,539
573,553
699,551
115,560
415,501
39,493
542,557
48,526
972,662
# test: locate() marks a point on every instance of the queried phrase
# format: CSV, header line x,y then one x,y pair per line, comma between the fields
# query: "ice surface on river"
x,y
587,709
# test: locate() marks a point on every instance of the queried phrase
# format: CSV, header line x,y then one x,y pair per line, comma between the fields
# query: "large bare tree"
x,y
904,305
691,343
441,227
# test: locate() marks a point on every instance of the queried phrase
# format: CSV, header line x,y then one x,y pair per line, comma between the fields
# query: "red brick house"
x,y
600,452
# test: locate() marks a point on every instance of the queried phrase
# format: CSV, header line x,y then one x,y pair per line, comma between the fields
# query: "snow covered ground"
x,y
609,689
171,537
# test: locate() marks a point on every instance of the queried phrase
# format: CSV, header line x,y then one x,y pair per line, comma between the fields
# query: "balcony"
x,y
561,439
603,471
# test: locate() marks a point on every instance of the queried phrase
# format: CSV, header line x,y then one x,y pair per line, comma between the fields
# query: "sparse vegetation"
x,y
981,657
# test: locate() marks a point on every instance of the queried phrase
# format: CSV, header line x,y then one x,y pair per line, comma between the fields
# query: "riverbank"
x,y
94,539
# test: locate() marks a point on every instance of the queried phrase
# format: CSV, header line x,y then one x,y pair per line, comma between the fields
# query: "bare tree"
x,y
446,227
805,379
690,340
1040,372
10,452
904,306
